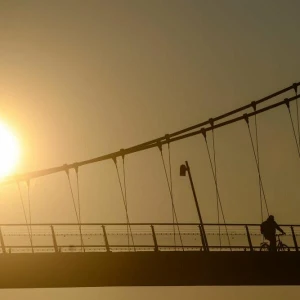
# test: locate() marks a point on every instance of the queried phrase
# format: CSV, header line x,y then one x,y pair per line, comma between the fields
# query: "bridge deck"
x,y
68,255
45,270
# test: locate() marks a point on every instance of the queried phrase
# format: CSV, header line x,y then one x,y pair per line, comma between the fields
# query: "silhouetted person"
x,y
268,229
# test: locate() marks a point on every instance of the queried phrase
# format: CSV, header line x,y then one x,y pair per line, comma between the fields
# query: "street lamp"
x,y
185,168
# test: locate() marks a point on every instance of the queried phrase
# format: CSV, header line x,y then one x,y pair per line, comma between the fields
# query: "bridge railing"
x,y
94,237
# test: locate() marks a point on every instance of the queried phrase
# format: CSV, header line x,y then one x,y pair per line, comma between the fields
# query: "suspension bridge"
x,y
81,254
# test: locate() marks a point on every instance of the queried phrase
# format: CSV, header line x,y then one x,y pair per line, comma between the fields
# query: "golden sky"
x,y
79,79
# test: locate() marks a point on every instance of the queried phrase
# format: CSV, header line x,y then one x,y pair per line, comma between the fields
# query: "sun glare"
x,y
9,151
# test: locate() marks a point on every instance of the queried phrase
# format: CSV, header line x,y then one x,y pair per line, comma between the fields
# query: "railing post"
x,y
294,238
105,238
2,242
249,238
81,239
154,238
54,239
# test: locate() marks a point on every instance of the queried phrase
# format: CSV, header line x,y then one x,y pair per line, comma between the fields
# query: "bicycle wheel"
x,y
264,247
283,247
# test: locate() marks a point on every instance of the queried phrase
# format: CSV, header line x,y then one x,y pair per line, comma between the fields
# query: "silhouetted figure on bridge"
x,y
268,229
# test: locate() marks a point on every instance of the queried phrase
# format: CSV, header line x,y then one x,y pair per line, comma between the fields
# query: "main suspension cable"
x,y
148,145
235,111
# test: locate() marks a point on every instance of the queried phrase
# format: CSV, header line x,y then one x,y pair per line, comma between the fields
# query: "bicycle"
x,y
280,246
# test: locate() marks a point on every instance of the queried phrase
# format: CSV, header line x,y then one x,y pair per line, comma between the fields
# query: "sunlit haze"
x,y
9,151
84,78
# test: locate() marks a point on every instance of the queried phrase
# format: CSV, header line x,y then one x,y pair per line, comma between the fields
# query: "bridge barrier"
x,y
92,237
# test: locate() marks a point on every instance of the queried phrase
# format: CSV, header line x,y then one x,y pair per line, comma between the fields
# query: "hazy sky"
x,y
79,79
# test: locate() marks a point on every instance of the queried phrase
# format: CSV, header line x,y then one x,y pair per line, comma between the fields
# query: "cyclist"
x,y
268,229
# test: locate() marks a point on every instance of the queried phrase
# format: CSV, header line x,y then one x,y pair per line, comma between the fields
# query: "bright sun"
x,y
9,151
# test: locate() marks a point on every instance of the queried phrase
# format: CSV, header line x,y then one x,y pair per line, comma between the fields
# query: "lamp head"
x,y
183,170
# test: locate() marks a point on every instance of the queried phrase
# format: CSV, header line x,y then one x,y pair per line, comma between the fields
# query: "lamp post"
x,y
185,168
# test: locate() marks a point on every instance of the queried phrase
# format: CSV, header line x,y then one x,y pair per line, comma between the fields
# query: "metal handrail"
x,y
107,233
143,224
